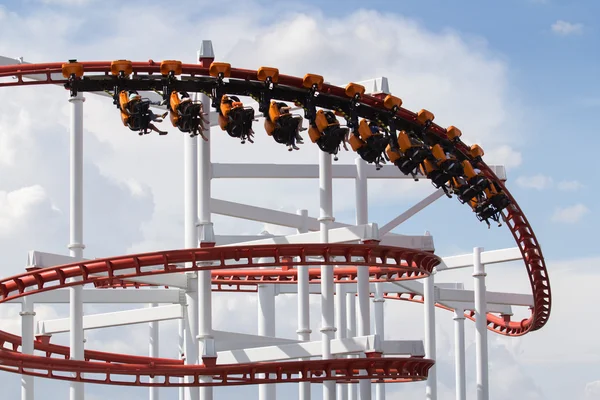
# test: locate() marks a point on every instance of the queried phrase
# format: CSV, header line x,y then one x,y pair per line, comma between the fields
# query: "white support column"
x,y
206,343
327,288
340,323
459,353
304,330
153,351
266,327
429,294
76,339
190,201
481,348
378,303
351,325
181,351
27,329
362,217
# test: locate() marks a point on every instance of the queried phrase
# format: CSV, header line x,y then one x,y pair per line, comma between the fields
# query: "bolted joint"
x,y
72,246
301,331
379,300
27,313
328,329
479,274
326,218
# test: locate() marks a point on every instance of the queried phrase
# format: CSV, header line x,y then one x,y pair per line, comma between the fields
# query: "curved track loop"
x,y
399,262
393,262
290,87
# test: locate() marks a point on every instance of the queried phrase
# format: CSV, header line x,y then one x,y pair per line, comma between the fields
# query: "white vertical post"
x,y
76,339
27,315
327,288
480,326
362,217
340,333
153,352
459,353
429,294
190,201
266,327
181,350
205,331
351,325
304,330
378,304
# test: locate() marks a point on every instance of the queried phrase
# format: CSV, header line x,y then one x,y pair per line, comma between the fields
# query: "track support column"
x,y
378,304
429,294
327,288
207,238
153,351
304,330
351,325
364,293
266,327
76,246
27,315
340,322
481,348
459,356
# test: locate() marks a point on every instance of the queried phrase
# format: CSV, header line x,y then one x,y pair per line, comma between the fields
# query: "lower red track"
x,y
407,264
392,262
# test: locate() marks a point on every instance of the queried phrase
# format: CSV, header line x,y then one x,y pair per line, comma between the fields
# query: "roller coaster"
x,y
378,129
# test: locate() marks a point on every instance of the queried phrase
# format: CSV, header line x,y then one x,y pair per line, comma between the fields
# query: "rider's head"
x,y
133,96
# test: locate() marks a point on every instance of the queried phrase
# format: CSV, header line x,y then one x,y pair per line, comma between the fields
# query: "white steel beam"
x,y
290,220
260,214
514,299
313,349
108,296
119,318
487,257
339,235
228,341
310,171
411,211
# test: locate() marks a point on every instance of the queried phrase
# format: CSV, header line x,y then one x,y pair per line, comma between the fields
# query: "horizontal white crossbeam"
x,y
360,344
119,318
227,341
338,235
487,257
311,171
110,296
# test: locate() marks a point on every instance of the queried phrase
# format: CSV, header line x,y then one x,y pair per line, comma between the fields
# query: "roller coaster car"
x,y
372,143
438,176
283,126
135,113
471,185
236,119
425,117
327,133
187,115
414,152
446,161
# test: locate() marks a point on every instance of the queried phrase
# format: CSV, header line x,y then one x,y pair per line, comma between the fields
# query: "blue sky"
x,y
520,76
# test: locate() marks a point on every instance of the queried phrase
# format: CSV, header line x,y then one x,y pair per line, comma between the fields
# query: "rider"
x,y
134,109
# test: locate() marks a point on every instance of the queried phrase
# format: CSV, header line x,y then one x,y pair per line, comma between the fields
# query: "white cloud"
x,y
571,214
565,28
569,186
538,182
541,182
592,391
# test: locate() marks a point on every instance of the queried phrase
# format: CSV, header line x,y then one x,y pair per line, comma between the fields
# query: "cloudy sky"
x,y
517,78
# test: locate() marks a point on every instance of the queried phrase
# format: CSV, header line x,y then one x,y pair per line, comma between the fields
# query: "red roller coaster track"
x,y
385,264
